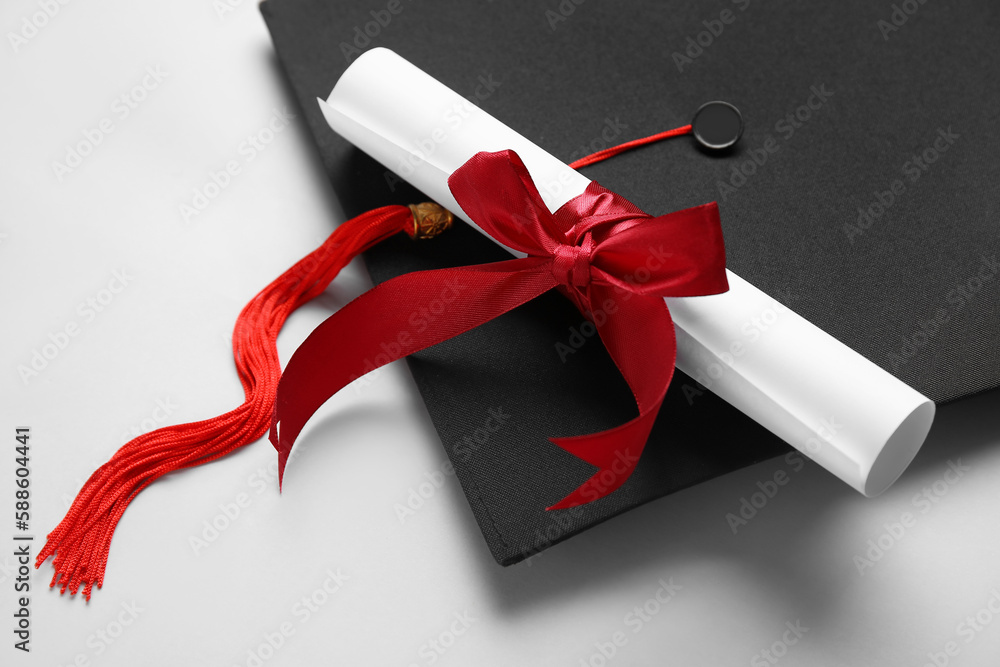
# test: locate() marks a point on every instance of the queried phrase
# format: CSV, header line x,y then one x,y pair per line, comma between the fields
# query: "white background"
x,y
165,338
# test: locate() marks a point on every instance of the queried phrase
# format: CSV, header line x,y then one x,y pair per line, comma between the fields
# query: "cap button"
x,y
717,125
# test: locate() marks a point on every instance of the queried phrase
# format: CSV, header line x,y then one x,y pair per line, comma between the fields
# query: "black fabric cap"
x,y
864,195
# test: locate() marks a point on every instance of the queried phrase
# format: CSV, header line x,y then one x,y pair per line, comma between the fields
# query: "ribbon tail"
x,y
389,322
639,336
614,452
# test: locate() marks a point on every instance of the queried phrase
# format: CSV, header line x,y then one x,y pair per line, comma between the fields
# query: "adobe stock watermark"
x,y
419,320
967,631
560,522
610,478
225,7
423,148
158,416
435,647
213,528
898,17
229,512
561,12
466,448
40,358
912,169
105,636
304,609
751,506
923,502
635,620
563,521
704,39
956,299
751,331
786,128
162,410
610,132
248,150
766,491
793,634
363,34
123,106
32,24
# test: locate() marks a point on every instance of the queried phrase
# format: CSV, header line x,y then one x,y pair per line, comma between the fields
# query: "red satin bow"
x,y
599,249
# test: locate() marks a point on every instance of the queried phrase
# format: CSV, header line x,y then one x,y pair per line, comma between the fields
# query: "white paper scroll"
x,y
818,395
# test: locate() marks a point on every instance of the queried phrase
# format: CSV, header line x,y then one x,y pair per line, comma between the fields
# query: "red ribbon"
x,y
599,249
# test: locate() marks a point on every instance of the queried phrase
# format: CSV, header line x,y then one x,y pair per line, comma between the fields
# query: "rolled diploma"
x,y
815,393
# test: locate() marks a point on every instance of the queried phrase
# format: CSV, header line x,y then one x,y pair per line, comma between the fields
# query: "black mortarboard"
x,y
863,195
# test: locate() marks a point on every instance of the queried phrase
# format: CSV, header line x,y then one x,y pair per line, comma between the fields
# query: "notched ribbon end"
x,y
615,466
282,450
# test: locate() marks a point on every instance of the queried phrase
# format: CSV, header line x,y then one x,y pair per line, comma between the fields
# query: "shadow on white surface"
x,y
779,547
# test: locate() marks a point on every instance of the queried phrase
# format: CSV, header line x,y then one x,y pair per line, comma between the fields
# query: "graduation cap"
x,y
852,199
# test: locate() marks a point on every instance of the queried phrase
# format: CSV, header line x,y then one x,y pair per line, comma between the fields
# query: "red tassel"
x,y
80,543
